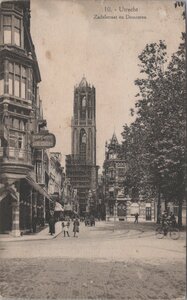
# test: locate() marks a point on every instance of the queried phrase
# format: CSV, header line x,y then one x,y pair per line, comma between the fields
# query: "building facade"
x,y
55,175
69,196
118,205
101,210
55,184
24,200
81,166
114,170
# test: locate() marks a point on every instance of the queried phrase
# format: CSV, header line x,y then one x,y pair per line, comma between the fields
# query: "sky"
x,y
71,41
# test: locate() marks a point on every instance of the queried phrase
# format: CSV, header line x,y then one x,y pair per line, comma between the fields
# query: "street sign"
x,y
43,140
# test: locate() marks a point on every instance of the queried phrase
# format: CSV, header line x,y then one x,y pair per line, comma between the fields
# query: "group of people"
x,y
66,225
168,218
89,221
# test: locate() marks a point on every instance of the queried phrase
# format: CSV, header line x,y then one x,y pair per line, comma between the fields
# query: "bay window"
x,y
17,140
1,84
10,82
1,78
17,124
23,83
17,86
17,31
21,141
12,139
12,30
7,29
17,80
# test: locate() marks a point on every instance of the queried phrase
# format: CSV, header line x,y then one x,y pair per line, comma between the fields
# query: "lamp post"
x,y
115,214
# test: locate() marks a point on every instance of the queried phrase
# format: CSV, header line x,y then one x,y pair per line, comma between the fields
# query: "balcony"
x,y
14,161
13,100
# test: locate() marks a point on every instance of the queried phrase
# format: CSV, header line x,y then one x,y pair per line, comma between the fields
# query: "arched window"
x,y
83,108
75,142
84,102
90,144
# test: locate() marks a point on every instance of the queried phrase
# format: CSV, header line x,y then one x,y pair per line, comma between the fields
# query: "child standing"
x,y
65,228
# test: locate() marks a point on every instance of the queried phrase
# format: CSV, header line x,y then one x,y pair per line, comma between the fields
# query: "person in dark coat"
x,y
164,218
136,218
76,226
51,225
172,219
34,223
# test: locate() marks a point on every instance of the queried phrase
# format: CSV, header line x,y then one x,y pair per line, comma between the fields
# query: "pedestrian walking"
x,y
34,223
51,225
65,227
76,226
136,218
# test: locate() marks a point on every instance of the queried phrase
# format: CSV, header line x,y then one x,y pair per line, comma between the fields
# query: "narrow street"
x,y
109,261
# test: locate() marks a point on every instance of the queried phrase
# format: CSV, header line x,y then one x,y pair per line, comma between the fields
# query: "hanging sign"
x,y
43,140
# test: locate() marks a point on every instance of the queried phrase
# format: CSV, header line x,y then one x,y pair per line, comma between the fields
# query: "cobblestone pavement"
x,y
109,261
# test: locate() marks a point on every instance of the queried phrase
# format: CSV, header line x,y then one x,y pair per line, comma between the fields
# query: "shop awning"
x,y
8,190
58,207
37,187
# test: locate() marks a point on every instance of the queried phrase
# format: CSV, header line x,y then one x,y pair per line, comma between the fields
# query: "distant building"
x,y
55,175
56,179
81,164
69,196
101,211
114,170
118,205
24,198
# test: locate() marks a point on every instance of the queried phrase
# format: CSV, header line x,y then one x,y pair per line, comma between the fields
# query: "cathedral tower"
x,y
83,123
81,164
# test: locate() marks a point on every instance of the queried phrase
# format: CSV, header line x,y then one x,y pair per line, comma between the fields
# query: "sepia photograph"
x,y
93,149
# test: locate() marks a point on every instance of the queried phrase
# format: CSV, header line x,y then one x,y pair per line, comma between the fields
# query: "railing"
x,y
12,154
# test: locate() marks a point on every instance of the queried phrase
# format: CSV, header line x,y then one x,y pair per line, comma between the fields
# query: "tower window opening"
x,y
83,108
83,141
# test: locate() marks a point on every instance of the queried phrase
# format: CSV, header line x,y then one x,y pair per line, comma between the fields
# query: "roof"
x,y
83,82
114,139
